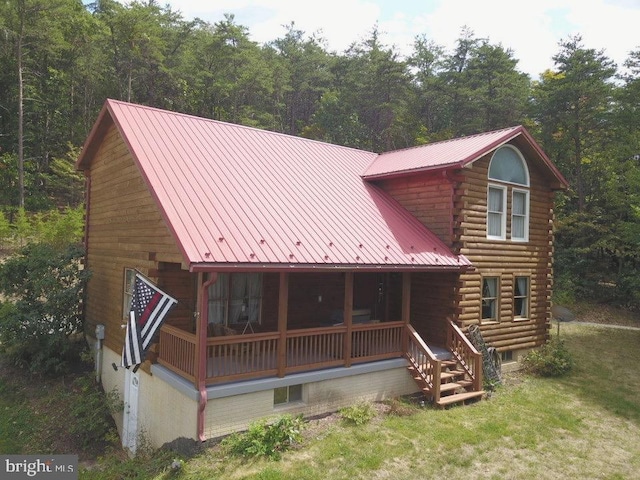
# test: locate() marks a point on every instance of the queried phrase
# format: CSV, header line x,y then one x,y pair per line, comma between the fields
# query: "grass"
x,y
584,425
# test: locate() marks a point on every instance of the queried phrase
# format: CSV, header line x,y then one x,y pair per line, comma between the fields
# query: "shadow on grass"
x,y
606,367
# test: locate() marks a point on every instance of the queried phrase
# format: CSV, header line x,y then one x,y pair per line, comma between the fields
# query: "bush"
x,y
264,439
357,414
41,320
92,411
551,360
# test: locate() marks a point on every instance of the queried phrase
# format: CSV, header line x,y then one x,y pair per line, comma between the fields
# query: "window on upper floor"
x,y
520,215
509,170
496,212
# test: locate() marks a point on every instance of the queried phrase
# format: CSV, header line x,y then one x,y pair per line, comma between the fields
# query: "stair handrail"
x,y
466,354
430,363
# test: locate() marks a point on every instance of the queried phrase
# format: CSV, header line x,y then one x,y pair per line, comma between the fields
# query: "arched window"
x,y
507,166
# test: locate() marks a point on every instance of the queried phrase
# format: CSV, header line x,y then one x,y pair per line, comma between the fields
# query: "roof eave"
x,y
92,143
309,267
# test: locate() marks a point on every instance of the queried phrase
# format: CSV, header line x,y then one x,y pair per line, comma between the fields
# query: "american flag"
x,y
149,307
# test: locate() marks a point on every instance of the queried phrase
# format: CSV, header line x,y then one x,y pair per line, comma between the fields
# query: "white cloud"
x,y
532,30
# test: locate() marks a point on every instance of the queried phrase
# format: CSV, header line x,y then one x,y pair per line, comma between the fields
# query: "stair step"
x,y
447,387
449,363
451,374
459,397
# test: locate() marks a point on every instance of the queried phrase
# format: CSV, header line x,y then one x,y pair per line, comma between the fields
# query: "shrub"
x,y
266,439
42,317
92,410
358,414
551,360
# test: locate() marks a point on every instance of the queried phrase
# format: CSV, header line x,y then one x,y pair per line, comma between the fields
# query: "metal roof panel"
x,y
235,195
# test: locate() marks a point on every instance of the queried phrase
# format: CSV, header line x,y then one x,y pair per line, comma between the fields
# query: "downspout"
x,y
202,352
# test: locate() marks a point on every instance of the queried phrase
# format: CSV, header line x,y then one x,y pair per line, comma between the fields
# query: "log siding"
x,y
454,206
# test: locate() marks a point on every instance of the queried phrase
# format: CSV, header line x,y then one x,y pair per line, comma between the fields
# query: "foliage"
x,y
42,315
60,228
93,413
265,438
553,359
70,56
358,414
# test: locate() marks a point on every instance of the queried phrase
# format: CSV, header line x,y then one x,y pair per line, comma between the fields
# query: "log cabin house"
x,y
308,275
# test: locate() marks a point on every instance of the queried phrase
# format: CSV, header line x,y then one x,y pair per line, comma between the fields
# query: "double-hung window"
x,y
520,215
490,299
497,215
521,298
509,181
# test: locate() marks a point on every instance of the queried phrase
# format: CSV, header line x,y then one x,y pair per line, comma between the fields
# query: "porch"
x,y
254,355
296,334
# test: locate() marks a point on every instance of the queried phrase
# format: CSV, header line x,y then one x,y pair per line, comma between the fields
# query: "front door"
x,y
130,418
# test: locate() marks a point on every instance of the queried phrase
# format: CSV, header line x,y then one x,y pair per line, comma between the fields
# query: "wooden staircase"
x,y
446,381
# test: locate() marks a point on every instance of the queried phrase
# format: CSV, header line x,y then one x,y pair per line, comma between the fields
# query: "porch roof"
x,y
239,197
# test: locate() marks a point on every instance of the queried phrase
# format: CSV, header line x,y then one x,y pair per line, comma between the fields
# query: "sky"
x,y
531,29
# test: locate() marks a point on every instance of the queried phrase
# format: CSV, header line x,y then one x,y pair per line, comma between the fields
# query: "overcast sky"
x,y
531,29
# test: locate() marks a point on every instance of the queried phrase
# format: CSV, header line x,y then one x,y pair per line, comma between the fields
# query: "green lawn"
x,y
585,425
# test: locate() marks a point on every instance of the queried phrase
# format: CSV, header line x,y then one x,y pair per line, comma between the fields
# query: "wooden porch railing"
x,y
177,351
465,353
240,357
425,364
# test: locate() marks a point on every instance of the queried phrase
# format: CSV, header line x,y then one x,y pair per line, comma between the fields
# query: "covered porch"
x,y
249,325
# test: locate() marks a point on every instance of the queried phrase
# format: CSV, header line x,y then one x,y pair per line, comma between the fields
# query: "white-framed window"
x,y
490,299
497,212
284,395
521,298
127,294
235,298
520,215
508,167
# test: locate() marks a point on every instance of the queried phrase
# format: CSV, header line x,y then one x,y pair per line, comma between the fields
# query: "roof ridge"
x,y
237,125
455,139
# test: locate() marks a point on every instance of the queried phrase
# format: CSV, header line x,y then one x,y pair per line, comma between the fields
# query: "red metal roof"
x,y
455,153
236,196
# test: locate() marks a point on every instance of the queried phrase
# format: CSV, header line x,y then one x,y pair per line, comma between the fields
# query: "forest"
x,y
60,59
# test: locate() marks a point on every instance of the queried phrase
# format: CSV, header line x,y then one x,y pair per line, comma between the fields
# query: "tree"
x,y
304,76
572,106
43,286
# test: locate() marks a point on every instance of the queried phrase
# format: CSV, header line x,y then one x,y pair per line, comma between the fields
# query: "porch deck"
x,y
255,355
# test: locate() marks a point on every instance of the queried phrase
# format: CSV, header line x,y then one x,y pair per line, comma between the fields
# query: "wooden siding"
x,y
454,207
125,230
181,285
505,259
428,198
433,300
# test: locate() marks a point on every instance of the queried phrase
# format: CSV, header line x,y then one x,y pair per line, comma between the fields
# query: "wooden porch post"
x,y
406,307
200,369
199,343
283,303
347,316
